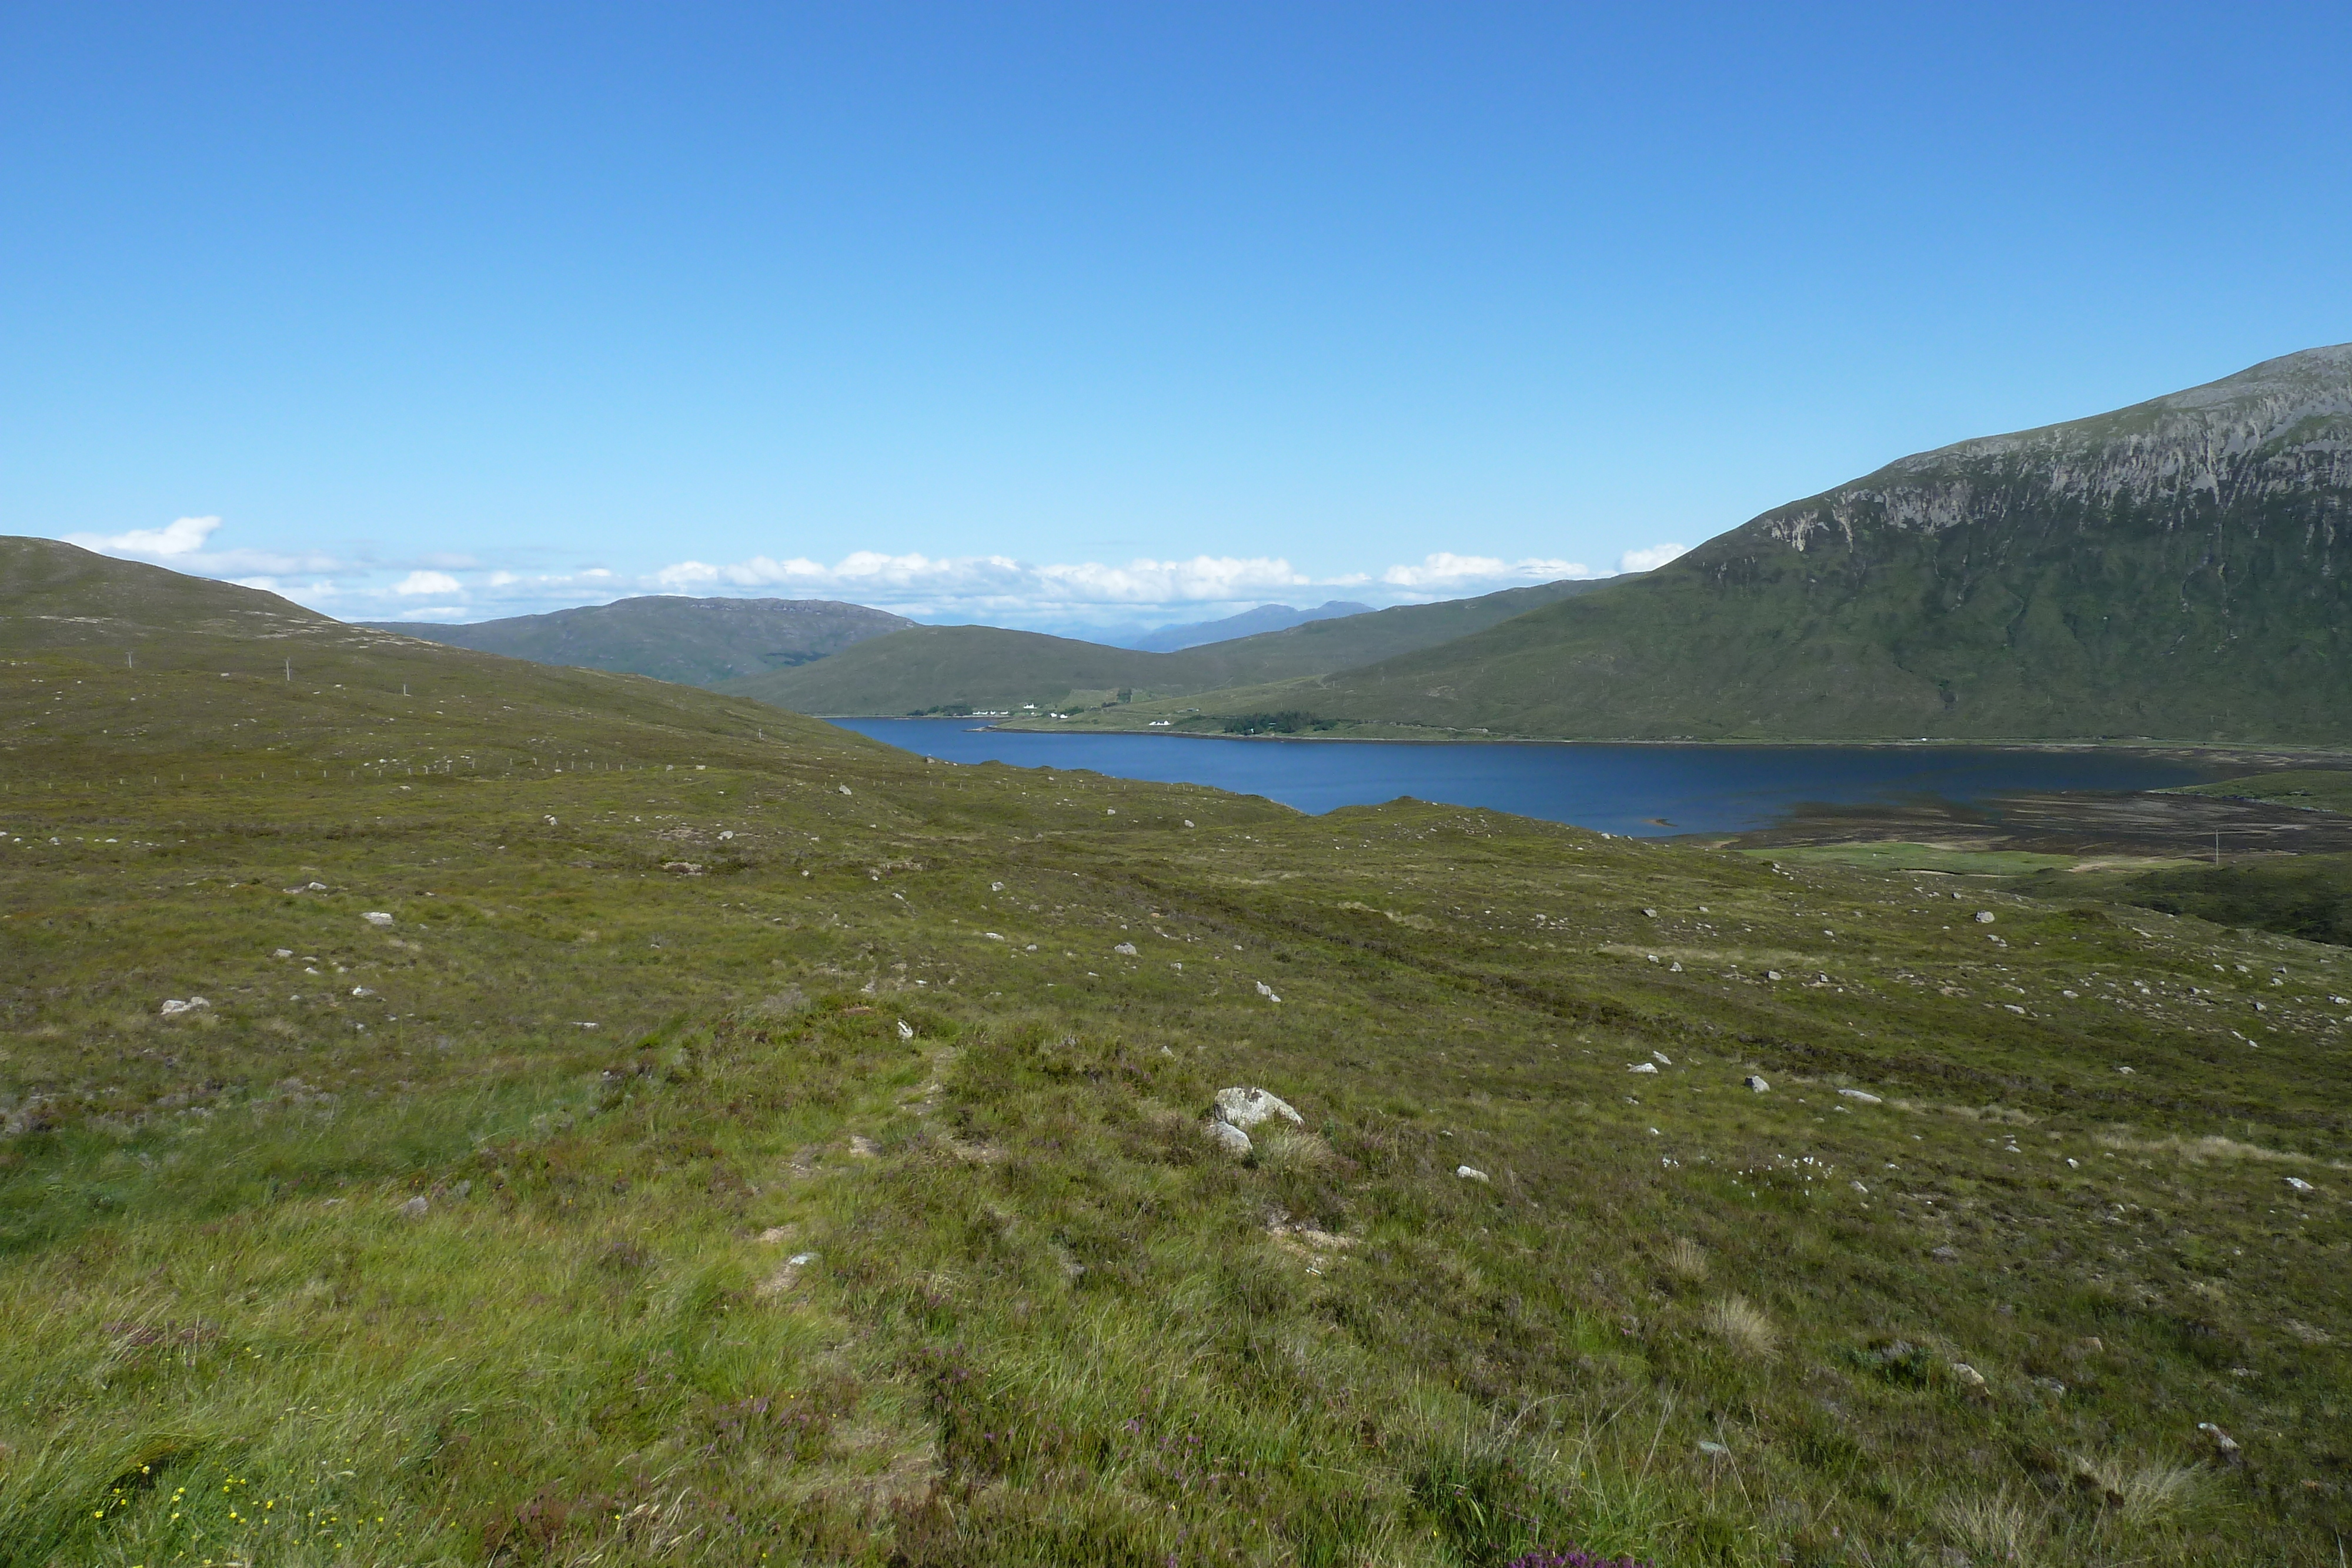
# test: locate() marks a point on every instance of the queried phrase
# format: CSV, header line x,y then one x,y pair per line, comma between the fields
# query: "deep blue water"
x,y
1646,790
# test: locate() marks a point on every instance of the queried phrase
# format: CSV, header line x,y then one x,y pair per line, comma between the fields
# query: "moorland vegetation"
x,y
630,1124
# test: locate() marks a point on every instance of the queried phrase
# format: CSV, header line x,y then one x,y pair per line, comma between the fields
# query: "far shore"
x,y
2252,754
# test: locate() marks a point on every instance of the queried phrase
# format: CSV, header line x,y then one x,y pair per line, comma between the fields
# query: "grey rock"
x,y
1125,950
1859,1097
415,1207
1229,1138
1470,1173
1758,1084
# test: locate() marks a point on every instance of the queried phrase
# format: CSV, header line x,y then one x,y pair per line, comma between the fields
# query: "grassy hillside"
x,y
2181,570
696,642
747,1144
989,669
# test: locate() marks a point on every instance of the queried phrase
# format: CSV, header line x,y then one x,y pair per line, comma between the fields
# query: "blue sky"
x,y
1059,316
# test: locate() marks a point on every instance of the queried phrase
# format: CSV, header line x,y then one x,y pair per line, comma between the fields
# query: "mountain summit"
x,y
2178,570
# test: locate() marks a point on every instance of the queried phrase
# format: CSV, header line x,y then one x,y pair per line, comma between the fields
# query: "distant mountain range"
x,y
988,669
694,642
1248,623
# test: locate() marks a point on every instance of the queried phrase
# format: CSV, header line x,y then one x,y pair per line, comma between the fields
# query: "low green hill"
x,y
2179,569
696,642
989,669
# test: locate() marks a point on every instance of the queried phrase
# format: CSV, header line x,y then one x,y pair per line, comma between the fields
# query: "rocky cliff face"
x,y
2280,432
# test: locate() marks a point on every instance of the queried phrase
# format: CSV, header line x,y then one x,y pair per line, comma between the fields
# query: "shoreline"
x,y
2254,753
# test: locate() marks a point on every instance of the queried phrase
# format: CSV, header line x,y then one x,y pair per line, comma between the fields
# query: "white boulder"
x,y
1244,1108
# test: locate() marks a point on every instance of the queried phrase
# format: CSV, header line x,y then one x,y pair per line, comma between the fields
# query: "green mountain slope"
x,y
695,642
989,669
2181,570
340,696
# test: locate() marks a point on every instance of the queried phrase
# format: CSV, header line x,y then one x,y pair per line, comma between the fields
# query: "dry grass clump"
x,y
1686,1259
1998,1527
2140,1494
1288,1148
1740,1324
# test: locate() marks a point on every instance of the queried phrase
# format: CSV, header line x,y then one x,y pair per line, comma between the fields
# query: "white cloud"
x,y
182,537
1446,570
1655,555
418,582
180,545
996,581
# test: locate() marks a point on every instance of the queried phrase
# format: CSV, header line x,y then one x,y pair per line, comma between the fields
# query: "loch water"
x,y
1641,790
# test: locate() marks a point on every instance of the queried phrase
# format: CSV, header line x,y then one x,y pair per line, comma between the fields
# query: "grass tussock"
x,y
1743,1326
1686,1259
1997,1528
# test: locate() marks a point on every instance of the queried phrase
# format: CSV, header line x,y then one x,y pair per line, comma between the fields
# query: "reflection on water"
x,y
1643,790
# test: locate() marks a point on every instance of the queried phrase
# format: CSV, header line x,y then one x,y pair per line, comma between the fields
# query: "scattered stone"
x,y
551,821
1758,1084
283,953
843,788
781,1281
1948,1254
729,834
377,917
1967,1375
415,1207
864,1147
1267,992
1125,950
1469,1173
2050,1385
775,1234
1861,1097
683,868
1229,1138
2223,1443
2299,1185
361,991
1247,1107
1712,1450
2122,1070
1651,913
174,1006
1642,1067
1984,917
1771,974
906,1030
994,935
996,887
1660,1056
